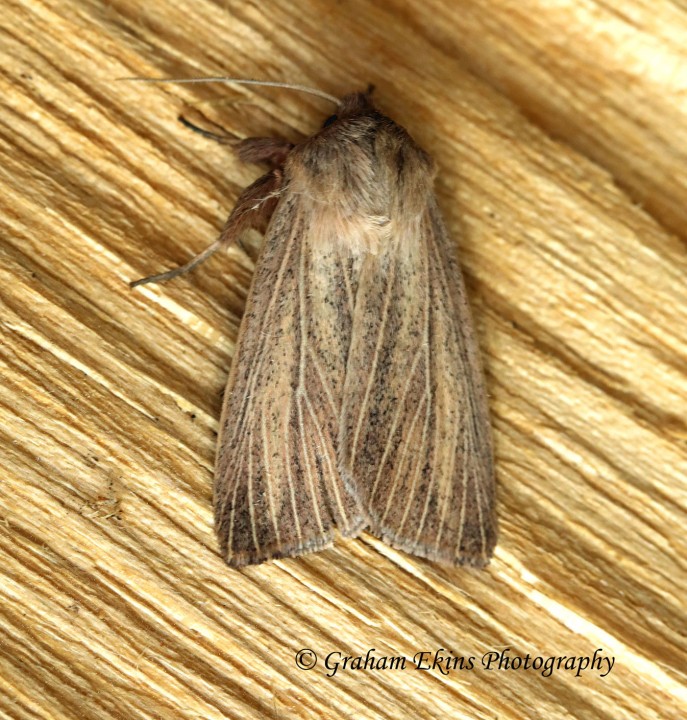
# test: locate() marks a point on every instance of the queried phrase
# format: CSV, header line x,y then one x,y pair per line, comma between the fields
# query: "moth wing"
x,y
278,491
415,435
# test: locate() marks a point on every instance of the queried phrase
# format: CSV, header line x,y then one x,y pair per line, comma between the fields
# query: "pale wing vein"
x,y
395,422
246,410
301,392
289,475
375,361
331,464
269,474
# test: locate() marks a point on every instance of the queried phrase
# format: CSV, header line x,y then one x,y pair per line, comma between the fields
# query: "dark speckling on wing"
x,y
356,398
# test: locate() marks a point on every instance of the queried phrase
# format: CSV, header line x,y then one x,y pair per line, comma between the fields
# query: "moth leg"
x,y
217,137
253,209
271,150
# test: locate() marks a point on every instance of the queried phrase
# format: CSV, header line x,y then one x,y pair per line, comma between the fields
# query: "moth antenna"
x,y
241,81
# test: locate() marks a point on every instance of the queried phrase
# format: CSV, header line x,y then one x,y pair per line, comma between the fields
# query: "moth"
x,y
356,398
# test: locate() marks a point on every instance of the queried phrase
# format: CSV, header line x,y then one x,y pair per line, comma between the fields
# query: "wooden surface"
x,y
560,132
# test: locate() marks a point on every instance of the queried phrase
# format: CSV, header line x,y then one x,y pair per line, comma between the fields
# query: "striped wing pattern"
x,y
356,398
415,434
278,491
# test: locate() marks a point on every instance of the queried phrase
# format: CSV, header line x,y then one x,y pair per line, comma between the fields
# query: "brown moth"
x,y
356,397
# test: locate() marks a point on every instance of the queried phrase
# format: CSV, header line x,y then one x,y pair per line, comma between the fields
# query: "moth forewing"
x,y
278,491
415,434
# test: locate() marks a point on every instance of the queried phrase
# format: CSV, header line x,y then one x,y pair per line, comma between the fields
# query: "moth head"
x,y
352,105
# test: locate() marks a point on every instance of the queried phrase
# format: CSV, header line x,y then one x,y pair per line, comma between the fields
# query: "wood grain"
x,y
559,132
